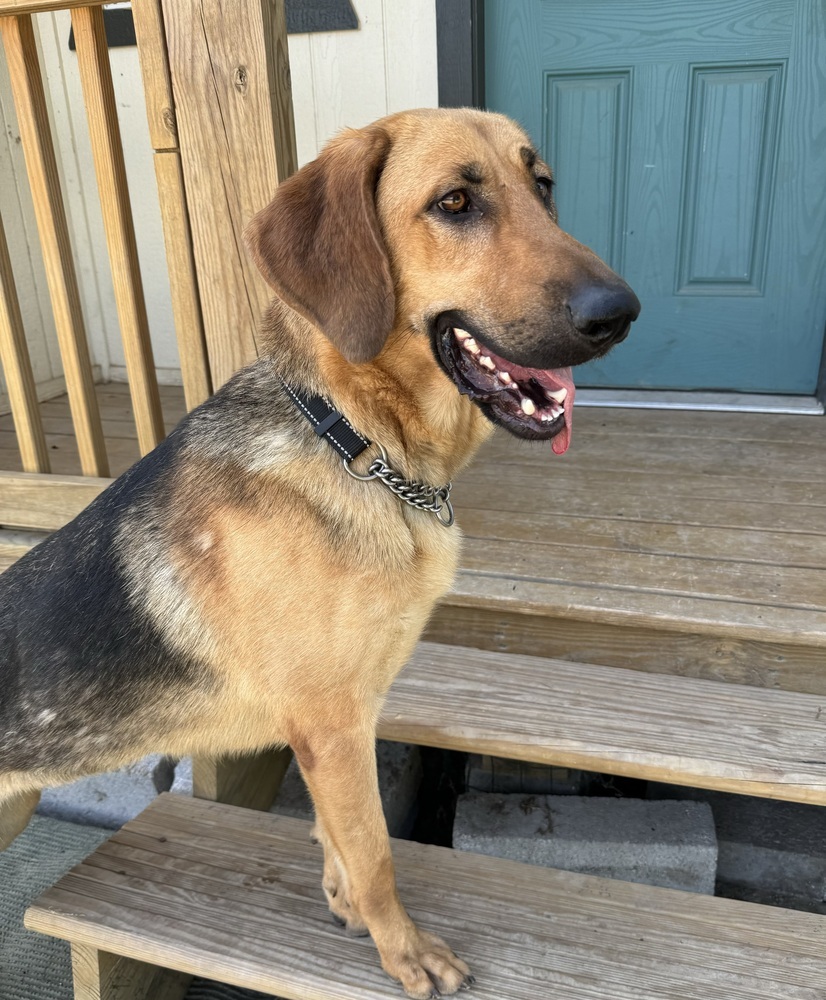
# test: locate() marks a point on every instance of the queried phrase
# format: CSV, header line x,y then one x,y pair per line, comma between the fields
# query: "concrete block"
x,y
400,775
182,779
769,852
669,844
109,800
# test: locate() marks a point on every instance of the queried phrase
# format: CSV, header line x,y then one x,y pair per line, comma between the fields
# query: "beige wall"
x,y
340,79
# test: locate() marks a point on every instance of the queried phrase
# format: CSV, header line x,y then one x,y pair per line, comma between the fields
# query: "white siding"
x,y
340,79
350,78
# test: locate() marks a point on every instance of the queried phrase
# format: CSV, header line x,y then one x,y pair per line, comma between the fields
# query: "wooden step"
x,y
654,726
235,895
673,542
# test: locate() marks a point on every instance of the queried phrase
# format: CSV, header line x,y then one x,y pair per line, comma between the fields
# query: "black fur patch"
x,y
77,659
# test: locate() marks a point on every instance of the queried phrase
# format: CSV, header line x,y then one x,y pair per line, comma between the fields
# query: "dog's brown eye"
x,y
544,187
455,202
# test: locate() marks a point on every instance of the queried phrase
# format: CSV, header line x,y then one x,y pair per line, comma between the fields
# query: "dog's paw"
x,y
428,968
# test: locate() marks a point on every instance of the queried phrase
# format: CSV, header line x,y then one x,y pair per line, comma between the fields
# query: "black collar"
x,y
328,423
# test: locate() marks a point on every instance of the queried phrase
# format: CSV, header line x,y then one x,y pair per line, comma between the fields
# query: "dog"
x,y
246,584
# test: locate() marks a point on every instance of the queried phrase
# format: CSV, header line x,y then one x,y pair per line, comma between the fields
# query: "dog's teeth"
x,y
486,362
504,377
471,345
556,411
528,407
547,416
461,334
557,395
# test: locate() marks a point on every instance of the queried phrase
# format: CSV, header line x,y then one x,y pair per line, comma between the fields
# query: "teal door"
x,y
688,138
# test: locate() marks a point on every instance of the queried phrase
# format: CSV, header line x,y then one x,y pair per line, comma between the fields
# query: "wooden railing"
x,y
216,80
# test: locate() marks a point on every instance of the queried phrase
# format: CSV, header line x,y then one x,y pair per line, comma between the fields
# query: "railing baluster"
x,y
41,165
104,131
17,367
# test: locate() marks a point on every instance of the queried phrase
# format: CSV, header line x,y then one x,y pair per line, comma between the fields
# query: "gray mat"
x,y
36,967
32,966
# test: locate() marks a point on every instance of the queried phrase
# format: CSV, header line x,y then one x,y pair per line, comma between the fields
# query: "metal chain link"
x,y
422,496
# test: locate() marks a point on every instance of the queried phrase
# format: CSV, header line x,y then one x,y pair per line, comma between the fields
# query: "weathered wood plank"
x,y
233,894
17,368
157,84
741,545
651,726
710,655
675,498
226,65
97,975
107,151
635,427
661,455
629,605
754,584
41,164
45,503
42,6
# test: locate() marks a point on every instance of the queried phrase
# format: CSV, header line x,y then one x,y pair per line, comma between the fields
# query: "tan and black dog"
x,y
237,588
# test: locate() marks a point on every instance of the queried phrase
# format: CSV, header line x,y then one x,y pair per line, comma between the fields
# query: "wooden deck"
x,y
675,542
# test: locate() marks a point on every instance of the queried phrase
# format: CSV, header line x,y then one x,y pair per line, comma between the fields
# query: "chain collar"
x,y
435,499
349,443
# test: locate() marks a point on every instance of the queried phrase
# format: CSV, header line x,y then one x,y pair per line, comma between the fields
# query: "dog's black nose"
x,y
603,312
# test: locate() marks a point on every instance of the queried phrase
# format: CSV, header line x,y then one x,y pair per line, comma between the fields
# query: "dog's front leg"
x,y
340,770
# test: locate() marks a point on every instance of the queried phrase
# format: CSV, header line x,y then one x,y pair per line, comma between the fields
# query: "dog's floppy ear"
x,y
319,244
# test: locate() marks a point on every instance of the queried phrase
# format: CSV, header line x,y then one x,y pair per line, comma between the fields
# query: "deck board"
x,y
658,728
234,895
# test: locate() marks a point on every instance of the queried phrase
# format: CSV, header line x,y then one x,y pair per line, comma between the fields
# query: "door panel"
x,y
689,145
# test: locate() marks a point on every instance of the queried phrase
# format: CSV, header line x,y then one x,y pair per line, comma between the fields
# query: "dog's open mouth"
x,y
529,402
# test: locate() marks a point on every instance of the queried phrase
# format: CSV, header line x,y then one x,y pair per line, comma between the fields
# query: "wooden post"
x,y
163,132
99,975
251,782
220,115
233,109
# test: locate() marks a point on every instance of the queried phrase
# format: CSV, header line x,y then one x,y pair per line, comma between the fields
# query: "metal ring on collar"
x,y
370,475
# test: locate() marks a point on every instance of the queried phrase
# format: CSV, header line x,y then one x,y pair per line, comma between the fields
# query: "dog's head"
x,y
442,223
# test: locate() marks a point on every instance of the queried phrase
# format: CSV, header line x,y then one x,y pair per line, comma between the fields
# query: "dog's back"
x,y
76,653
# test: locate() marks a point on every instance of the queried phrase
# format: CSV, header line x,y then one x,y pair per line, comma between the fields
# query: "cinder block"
x,y
182,780
109,800
669,844
400,775
769,852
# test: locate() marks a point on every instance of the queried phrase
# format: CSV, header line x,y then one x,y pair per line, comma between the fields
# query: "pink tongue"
x,y
558,378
